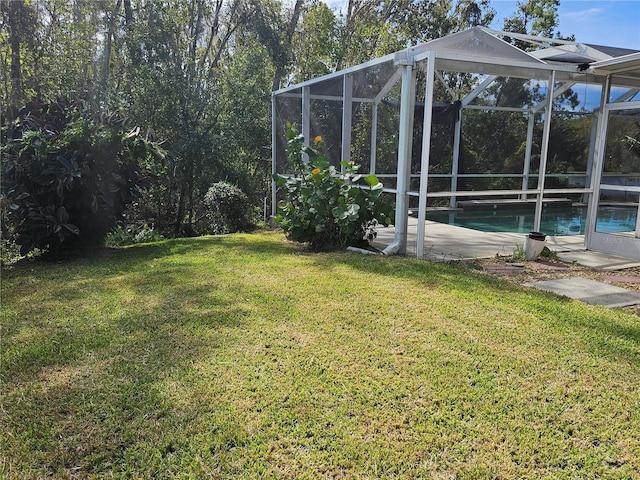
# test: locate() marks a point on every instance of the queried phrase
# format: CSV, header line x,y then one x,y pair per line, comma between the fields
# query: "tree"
x,y
172,79
316,43
56,44
534,17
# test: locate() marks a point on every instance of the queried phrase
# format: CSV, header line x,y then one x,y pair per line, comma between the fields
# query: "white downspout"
x,y
407,102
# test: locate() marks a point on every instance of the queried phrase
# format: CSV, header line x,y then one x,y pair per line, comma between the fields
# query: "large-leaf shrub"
x,y
69,173
324,207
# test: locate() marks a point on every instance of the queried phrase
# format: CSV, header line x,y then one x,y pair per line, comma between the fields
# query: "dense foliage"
x,y
199,75
325,207
70,173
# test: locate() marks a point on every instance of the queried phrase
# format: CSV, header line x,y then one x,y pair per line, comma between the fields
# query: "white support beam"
x,y
333,98
388,86
407,106
558,91
544,151
455,163
526,169
331,76
274,154
347,113
598,162
478,90
374,138
426,151
533,39
592,148
451,93
306,119
491,108
629,94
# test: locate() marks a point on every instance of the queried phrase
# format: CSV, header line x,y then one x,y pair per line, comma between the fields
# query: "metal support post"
x,y
424,161
544,151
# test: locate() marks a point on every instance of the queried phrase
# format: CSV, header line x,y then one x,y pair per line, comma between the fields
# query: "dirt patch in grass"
x,y
521,272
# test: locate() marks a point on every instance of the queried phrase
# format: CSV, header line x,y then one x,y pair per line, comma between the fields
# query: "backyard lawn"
x,y
245,356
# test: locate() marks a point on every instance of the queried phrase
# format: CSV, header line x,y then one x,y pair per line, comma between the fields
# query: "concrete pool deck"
x,y
445,243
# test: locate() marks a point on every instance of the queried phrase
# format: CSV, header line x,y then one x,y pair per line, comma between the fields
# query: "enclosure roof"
x,y
626,63
625,70
613,51
477,50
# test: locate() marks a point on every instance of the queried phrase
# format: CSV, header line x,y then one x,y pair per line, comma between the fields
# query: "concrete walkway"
x,y
589,291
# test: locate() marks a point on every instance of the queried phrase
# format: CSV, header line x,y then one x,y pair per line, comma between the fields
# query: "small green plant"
x,y
519,253
121,236
549,254
324,207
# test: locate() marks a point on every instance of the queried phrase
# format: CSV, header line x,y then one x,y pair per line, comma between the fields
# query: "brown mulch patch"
x,y
518,271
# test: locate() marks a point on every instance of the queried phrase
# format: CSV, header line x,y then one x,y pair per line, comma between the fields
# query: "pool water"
x,y
555,221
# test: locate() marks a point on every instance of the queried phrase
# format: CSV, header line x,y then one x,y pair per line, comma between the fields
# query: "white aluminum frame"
x,y
533,66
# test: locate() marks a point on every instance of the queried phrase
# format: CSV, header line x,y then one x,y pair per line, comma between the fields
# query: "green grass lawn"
x,y
245,356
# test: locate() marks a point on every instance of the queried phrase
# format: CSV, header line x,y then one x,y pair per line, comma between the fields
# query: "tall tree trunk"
x,y
15,11
132,47
106,65
293,23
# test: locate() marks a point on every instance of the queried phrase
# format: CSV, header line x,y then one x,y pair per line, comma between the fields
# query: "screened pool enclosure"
x,y
470,121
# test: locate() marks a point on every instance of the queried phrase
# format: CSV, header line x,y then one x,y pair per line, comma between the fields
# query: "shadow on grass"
x,y
97,368
608,333
82,380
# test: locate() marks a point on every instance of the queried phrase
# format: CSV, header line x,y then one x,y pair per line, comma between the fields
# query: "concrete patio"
x,y
444,243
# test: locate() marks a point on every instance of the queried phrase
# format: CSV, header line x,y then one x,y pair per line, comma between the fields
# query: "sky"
x,y
614,23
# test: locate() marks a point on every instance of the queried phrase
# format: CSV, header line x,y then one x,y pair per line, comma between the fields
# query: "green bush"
x,y
228,210
69,174
326,208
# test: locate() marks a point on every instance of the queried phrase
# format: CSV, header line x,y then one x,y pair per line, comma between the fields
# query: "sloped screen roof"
x,y
477,50
476,43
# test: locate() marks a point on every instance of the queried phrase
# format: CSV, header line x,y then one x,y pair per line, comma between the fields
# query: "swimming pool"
x,y
555,221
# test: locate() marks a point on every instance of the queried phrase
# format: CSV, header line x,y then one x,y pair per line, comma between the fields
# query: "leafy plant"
x,y
550,254
324,207
518,253
131,235
229,210
70,173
